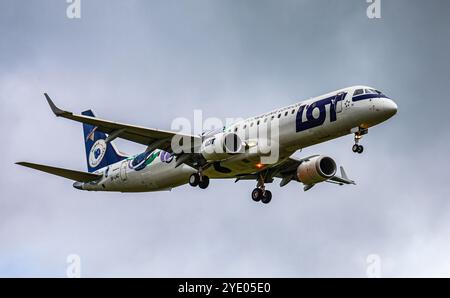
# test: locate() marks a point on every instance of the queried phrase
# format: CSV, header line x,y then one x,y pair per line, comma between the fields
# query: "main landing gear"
x,y
358,135
261,194
199,180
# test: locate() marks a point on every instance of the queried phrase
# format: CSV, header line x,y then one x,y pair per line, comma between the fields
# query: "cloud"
x,y
148,62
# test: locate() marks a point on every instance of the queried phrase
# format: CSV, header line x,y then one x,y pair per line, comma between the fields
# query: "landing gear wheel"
x,y
194,179
204,182
257,194
267,197
360,149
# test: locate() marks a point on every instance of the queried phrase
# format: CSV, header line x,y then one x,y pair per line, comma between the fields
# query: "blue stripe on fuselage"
x,y
368,96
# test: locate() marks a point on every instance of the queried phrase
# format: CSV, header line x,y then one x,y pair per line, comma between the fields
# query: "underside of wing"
x,y
287,171
343,179
65,173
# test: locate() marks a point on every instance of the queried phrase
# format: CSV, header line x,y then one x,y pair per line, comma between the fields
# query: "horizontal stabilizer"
x,y
69,174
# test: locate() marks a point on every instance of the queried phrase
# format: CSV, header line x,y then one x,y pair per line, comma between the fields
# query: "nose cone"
x,y
389,108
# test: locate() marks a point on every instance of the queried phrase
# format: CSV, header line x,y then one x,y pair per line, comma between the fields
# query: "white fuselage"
x,y
303,124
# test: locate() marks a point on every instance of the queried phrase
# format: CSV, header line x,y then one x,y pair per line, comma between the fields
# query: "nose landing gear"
x,y
358,135
358,148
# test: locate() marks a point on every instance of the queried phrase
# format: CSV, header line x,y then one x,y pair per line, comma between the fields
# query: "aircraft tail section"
x,y
100,152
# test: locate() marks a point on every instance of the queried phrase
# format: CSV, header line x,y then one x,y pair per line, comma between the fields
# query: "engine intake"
x,y
221,146
315,170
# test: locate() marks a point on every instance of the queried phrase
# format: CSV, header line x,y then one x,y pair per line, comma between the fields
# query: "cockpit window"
x,y
367,93
358,92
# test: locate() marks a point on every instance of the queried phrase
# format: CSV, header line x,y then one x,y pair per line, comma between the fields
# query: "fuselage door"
x,y
123,171
338,101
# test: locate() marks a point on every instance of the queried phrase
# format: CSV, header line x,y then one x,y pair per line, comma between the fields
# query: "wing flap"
x,y
65,173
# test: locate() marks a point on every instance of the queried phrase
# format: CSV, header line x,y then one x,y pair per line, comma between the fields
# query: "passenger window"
x,y
285,114
293,111
279,115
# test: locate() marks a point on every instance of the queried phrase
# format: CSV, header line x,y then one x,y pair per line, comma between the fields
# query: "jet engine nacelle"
x,y
315,170
221,146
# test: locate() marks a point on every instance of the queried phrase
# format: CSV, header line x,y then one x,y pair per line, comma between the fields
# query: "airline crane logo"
x,y
97,153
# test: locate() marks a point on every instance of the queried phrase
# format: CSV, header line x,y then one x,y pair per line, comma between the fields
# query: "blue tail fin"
x,y
99,154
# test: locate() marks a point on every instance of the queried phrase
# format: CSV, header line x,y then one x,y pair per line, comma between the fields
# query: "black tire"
x,y
267,197
360,149
204,182
194,180
355,148
257,194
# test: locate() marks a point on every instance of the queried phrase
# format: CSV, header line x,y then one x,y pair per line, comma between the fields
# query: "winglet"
x,y
344,175
57,111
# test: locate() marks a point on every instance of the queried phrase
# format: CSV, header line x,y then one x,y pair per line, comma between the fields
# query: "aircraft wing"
x,y
341,180
287,171
146,136
69,174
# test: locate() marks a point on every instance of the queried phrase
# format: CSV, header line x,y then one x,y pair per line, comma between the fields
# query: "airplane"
x,y
161,166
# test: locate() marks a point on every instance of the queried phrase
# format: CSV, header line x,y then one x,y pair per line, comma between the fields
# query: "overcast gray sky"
x,y
148,62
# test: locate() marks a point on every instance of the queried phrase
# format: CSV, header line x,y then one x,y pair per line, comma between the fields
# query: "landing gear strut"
x,y
260,193
358,135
